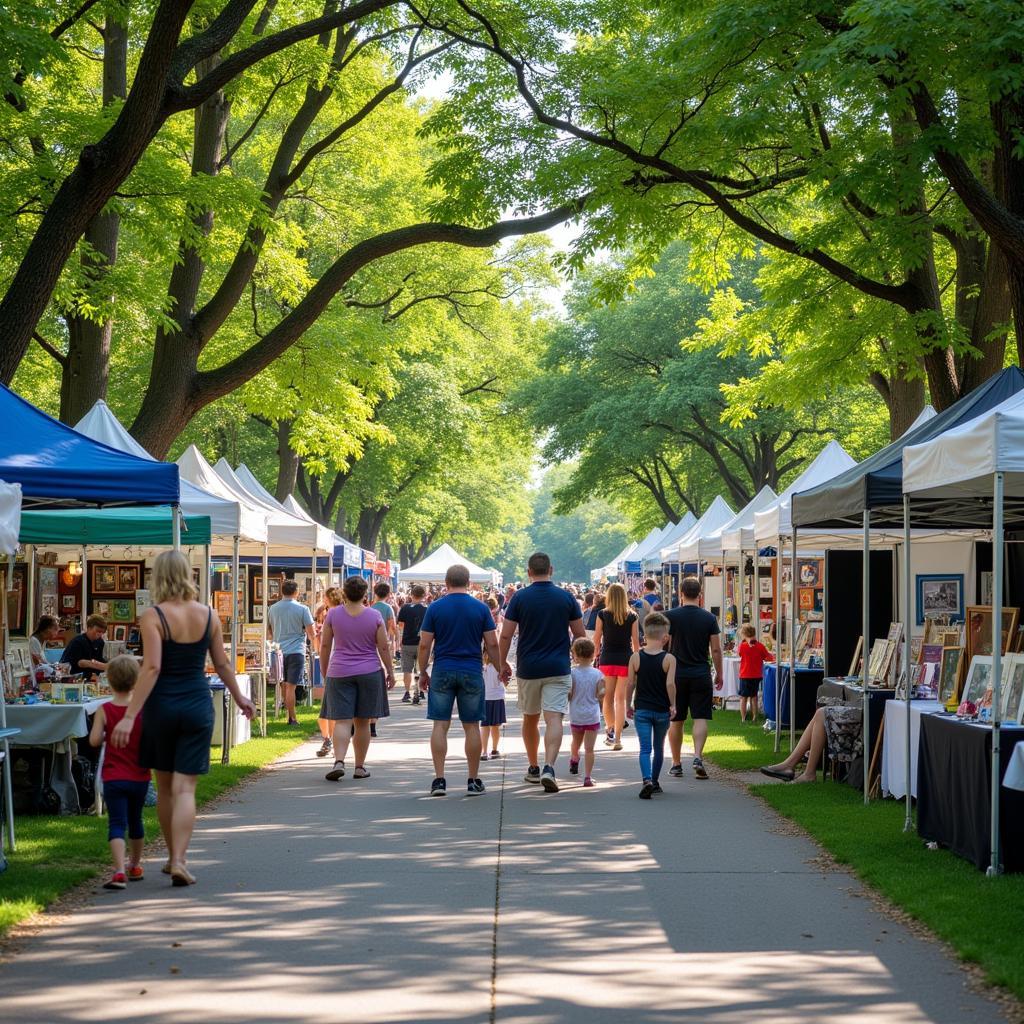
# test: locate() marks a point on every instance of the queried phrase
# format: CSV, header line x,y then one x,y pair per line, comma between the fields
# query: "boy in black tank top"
x,y
651,698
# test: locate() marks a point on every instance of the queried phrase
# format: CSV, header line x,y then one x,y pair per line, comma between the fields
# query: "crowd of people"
x,y
601,659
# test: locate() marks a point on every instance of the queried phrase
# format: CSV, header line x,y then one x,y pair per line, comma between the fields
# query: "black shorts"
x,y
177,731
749,687
294,669
693,696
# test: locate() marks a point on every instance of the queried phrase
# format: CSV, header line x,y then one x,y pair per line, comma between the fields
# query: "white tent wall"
x,y
938,558
432,569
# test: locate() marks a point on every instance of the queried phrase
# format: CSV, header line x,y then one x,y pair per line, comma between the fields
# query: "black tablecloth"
x,y
808,680
954,791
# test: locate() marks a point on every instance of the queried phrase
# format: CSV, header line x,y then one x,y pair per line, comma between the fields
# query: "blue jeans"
x,y
651,729
449,687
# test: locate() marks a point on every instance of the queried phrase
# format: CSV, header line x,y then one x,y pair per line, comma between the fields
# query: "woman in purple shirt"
x,y
355,659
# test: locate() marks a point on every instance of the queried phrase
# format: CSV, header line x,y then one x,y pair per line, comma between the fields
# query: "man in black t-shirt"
x,y
85,652
410,618
694,641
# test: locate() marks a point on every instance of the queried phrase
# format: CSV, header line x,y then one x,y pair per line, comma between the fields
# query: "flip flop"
x,y
181,877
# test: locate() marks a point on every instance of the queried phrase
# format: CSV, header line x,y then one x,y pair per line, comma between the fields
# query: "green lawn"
x,y
742,746
979,917
56,853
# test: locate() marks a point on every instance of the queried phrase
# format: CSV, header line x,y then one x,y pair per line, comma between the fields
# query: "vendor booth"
x,y
715,516
434,567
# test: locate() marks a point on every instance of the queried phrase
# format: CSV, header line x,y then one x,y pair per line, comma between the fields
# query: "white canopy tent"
x,y
435,566
651,544
973,476
352,552
323,538
674,533
707,546
612,568
715,516
926,414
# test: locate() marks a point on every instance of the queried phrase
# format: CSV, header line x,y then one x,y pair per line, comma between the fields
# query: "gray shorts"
x,y
362,696
410,652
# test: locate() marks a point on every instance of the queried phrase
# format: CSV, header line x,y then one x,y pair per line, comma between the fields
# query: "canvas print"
x,y
979,678
127,578
104,579
122,610
764,586
1013,688
979,629
806,600
939,595
809,571
878,662
949,675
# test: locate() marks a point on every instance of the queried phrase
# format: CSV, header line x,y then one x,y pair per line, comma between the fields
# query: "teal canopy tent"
x,y
149,526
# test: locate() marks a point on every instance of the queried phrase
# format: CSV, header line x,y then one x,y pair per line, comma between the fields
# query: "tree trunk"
x,y
906,401
86,373
287,464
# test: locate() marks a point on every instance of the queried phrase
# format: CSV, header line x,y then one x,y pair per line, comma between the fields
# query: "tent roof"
x,y
712,543
10,517
283,529
57,467
249,523
777,519
325,538
676,532
636,554
149,525
957,468
344,550
877,482
434,567
926,414
716,515
102,425
651,544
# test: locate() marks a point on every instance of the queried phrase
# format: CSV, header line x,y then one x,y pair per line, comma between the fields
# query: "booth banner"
x,y
368,560
381,568
353,556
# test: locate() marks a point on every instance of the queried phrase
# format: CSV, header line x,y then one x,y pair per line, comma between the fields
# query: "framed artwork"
x,y
810,641
120,633
809,571
257,612
985,588
879,660
806,599
127,578
68,601
979,678
931,654
855,661
764,586
222,603
940,595
104,579
915,649
1013,688
101,608
949,676
122,610
819,600
978,633
134,635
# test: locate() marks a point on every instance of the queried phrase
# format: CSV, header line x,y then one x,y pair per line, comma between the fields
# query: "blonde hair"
x,y
616,602
748,630
122,673
172,578
332,595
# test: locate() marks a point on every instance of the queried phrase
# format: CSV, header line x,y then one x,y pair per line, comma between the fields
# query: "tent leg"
x,y
85,588
908,618
8,786
225,748
204,580
778,621
995,867
266,646
866,648
794,612
176,527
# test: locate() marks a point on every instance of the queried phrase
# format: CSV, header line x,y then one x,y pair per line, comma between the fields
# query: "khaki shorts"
x,y
549,693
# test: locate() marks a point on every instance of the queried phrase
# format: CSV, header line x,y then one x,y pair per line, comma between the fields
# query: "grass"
x,y
979,917
57,853
742,746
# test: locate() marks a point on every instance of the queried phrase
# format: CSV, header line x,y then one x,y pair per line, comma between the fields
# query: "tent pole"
x,y
176,527
994,867
866,648
909,617
312,612
779,623
266,646
85,588
792,660
204,580
8,786
225,748
30,591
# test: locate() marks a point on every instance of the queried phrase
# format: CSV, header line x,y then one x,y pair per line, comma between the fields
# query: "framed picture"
x,y
985,588
104,579
915,649
127,579
1013,688
806,599
122,610
931,654
68,601
978,633
134,635
257,612
879,661
949,676
979,678
764,586
809,571
941,595
119,633
855,661
819,600
222,603
101,608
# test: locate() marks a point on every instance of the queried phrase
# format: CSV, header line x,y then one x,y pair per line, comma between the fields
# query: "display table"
x,y
807,682
1014,777
894,744
53,725
730,679
954,791
239,727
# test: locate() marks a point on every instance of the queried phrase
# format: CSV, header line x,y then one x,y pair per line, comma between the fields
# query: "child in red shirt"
x,y
125,784
753,654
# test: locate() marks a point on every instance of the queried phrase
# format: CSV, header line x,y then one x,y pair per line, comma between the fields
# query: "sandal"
x,y
337,772
181,876
360,772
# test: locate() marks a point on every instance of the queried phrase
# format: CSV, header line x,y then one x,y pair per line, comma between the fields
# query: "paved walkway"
x,y
369,902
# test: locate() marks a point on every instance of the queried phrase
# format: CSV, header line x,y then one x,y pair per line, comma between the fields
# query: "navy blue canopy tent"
x,y
59,468
876,484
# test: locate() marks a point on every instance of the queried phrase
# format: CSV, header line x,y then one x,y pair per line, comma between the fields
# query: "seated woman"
x,y
838,726
48,628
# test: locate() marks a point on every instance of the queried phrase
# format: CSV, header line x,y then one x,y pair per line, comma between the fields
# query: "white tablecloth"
x,y
1014,777
894,744
731,678
43,724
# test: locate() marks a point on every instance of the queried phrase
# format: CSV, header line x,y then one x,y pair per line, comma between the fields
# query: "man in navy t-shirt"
x,y
545,616
457,627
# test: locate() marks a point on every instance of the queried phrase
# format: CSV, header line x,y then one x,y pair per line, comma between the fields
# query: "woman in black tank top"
x,y
177,726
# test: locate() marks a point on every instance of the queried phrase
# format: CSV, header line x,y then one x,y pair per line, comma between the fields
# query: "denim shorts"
x,y
449,687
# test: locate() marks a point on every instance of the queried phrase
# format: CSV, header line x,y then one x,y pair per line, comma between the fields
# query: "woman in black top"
x,y
616,636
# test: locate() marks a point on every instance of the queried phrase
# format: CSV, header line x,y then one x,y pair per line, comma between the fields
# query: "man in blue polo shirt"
x,y
456,627
545,617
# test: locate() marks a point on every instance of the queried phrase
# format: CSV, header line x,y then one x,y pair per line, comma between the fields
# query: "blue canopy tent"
x,y
59,468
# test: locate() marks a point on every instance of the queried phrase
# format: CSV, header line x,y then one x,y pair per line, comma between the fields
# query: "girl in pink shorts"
x,y
584,708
